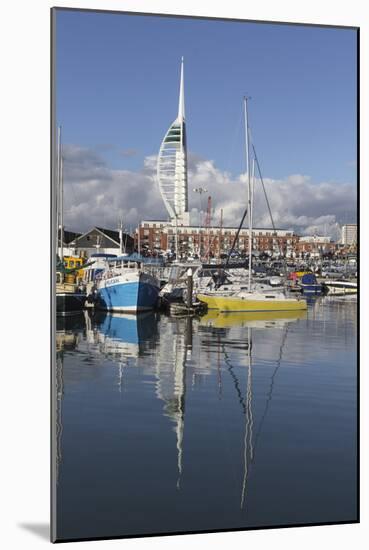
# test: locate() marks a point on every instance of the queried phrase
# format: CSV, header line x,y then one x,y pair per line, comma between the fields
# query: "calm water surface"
x,y
169,425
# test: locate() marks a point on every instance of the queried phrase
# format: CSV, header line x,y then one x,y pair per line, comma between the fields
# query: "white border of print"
x,y
25,45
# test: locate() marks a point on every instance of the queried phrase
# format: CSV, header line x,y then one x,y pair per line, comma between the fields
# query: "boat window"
x,y
269,296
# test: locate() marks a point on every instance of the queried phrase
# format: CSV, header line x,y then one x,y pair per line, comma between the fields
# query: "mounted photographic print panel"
x,y
204,275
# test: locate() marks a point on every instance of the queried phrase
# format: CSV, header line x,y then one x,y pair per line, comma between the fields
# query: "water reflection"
x,y
123,338
219,322
170,370
221,368
67,336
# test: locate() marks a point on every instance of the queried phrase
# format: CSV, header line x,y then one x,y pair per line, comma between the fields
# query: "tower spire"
x,y
181,106
172,165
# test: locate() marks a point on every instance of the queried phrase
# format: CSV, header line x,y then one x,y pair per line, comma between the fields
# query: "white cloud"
x,y
98,195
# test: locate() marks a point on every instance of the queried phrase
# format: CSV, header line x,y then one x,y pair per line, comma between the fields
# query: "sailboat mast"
x,y
57,187
61,211
248,185
251,206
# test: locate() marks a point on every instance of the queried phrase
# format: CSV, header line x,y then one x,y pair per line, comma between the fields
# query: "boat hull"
x,y
340,288
312,289
256,319
233,303
69,302
138,293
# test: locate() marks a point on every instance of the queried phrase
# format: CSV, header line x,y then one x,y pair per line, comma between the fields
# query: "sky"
x,y
117,84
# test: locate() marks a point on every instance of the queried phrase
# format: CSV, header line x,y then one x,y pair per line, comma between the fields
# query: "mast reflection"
x,y
67,337
224,324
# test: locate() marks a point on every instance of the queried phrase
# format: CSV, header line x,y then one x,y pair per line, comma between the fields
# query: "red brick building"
x,y
160,235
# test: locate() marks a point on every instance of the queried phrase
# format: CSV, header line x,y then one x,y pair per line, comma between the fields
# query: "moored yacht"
x,y
340,288
244,300
250,297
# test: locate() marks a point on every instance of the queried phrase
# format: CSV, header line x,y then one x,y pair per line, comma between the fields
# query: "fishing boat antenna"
x,y
122,247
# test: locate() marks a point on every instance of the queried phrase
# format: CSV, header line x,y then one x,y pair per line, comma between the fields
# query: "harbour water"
x,y
195,424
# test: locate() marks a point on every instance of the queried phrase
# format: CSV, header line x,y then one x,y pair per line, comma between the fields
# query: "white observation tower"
x,y
172,165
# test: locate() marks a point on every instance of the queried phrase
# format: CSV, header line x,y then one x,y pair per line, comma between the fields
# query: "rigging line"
x,y
235,379
246,407
270,393
268,205
262,183
235,239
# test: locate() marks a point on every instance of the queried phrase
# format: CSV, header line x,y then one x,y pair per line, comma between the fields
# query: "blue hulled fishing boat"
x,y
127,285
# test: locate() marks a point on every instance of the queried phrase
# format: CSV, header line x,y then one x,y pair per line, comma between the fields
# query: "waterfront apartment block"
x,y
211,241
314,244
349,234
153,236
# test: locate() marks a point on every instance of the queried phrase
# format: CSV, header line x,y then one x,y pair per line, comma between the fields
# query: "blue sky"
x,y
118,79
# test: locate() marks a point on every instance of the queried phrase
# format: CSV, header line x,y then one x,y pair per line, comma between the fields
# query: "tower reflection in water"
x,y
178,351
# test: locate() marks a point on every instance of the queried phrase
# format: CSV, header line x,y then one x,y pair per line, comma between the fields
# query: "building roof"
x,y
69,236
110,234
114,235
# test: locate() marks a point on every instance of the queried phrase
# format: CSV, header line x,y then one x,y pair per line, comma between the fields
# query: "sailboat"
x,y
251,298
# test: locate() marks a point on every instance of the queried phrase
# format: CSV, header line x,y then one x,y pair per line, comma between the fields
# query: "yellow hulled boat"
x,y
257,319
252,301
